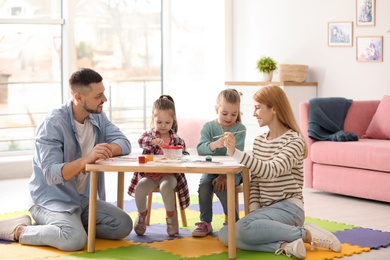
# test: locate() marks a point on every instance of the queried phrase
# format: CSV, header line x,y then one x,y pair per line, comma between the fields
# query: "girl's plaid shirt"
x,y
145,142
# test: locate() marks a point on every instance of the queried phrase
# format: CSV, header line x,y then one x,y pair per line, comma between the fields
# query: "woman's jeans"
x,y
265,229
205,194
67,231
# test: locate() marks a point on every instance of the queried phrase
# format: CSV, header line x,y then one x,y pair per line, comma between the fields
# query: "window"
x,y
30,69
43,41
119,39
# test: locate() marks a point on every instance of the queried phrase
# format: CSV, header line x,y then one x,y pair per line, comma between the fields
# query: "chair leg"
x,y
183,217
149,207
237,203
182,211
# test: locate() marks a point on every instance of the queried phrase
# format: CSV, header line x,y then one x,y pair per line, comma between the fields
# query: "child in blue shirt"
x,y
228,120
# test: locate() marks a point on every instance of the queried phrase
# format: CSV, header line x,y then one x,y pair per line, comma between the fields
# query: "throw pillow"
x,y
379,127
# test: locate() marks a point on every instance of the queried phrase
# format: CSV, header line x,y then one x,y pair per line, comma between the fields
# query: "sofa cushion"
x,y
379,128
372,154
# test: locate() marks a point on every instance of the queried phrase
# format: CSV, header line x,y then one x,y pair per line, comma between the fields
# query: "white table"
x,y
188,165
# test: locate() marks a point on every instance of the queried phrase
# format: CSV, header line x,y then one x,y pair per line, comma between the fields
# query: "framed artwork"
x,y
340,33
369,48
365,12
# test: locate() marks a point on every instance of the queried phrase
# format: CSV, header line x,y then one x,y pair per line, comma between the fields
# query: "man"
x,y
70,137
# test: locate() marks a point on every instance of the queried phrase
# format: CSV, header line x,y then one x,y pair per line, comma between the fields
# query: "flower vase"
x,y
267,76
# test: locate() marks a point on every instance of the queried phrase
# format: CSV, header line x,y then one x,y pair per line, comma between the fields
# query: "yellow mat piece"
x,y
347,250
191,247
19,251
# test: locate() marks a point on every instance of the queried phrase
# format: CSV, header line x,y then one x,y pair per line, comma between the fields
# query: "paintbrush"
x,y
231,132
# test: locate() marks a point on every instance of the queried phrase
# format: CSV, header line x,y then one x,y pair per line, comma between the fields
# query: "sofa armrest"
x,y
307,163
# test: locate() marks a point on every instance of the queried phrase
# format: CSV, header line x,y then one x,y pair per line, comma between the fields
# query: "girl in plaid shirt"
x,y
162,132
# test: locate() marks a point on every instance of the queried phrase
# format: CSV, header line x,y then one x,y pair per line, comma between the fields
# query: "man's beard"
x,y
91,110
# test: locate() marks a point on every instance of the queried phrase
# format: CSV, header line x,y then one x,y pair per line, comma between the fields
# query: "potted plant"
x,y
266,65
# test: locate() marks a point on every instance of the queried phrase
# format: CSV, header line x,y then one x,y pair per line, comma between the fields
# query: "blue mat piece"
x,y
130,206
364,237
156,232
217,207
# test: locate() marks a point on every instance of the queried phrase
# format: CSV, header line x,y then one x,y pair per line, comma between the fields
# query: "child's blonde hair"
x,y
165,102
273,96
231,96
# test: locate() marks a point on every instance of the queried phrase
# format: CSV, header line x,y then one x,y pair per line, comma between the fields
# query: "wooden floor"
x,y
359,212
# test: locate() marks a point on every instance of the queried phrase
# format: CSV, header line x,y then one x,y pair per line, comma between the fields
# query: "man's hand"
x,y
101,151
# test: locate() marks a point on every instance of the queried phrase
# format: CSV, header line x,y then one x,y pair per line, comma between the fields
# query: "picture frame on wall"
x,y
365,12
340,34
369,48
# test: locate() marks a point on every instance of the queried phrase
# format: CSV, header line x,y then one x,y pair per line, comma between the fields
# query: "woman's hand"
x,y
217,144
229,143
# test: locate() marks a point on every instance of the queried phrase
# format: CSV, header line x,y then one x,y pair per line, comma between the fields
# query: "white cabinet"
x,y
296,92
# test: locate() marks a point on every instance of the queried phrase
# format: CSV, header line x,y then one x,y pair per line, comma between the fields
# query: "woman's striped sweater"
x,y
275,168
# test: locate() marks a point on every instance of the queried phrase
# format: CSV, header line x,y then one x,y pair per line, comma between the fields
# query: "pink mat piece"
x,y
364,237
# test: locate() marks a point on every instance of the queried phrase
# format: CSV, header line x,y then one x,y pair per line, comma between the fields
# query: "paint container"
x,y
141,159
149,158
173,151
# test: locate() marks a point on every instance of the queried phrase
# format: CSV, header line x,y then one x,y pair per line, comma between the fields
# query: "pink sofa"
x,y
354,168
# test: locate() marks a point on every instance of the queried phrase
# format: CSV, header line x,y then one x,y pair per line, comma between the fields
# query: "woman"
x,y
275,222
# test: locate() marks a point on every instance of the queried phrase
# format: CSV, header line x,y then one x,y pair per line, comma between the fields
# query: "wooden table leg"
x,y
121,189
231,216
245,181
92,211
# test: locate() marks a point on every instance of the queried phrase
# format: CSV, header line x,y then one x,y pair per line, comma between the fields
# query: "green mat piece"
x,y
329,225
14,214
217,223
133,252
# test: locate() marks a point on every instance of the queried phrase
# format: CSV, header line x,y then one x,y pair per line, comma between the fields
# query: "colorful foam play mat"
x,y
156,244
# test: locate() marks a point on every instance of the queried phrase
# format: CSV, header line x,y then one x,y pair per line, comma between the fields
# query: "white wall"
x,y
295,32
194,55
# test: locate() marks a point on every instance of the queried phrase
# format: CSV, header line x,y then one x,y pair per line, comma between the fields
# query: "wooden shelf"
x,y
264,83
